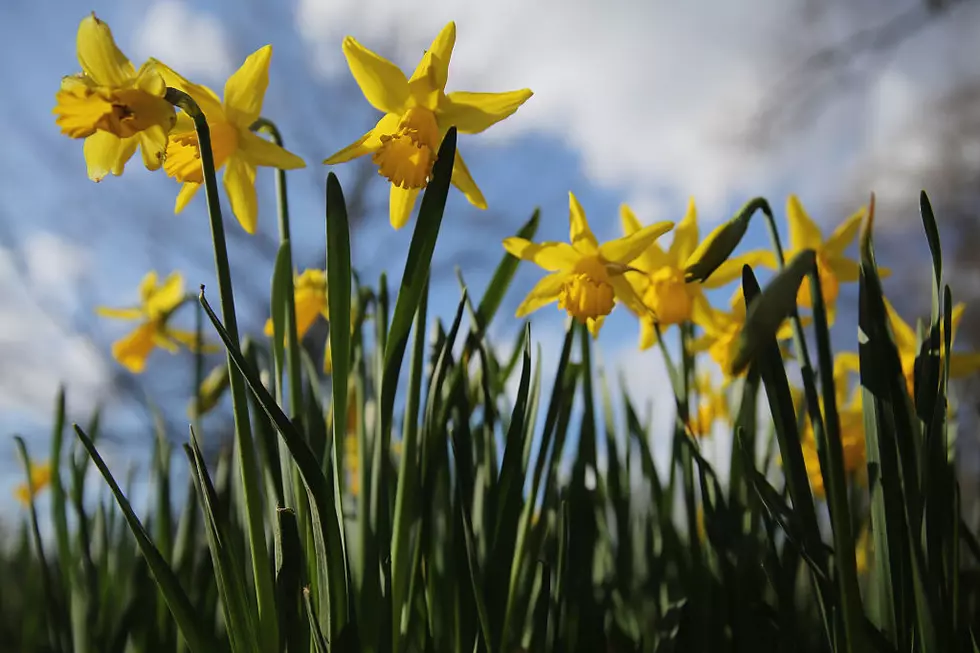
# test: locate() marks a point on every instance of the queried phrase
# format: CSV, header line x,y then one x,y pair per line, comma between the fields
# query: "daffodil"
x,y
113,106
661,286
586,278
40,479
833,267
712,406
417,114
235,147
960,364
851,417
157,305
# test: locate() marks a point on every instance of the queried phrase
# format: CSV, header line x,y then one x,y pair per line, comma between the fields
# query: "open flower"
x,y
236,148
40,479
833,267
960,364
113,106
417,114
586,277
157,304
661,286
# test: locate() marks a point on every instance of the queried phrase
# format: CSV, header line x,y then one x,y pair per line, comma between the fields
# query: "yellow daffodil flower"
x,y
586,277
960,364
833,267
864,550
851,416
236,148
662,288
157,304
310,299
417,114
40,479
712,406
113,106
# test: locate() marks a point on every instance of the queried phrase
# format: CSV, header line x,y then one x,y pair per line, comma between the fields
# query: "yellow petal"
x,y
206,99
132,350
580,234
309,306
187,192
703,315
543,293
245,89
471,113
382,82
99,56
624,250
401,201
239,182
429,79
845,269
961,365
268,329
732,268
367,143
167,297
648,334
464,182
260,152
594,325
653,257
624,292
905,338
105,153
153,145
685,236
844,234
550,255
119,313
189,340
803,232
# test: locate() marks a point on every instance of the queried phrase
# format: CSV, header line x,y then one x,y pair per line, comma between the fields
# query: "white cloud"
x,y
52,263
191,41
655,96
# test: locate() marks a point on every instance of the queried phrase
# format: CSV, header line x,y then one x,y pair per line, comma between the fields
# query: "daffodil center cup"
x,y
183,161
587,293
829,285
407,156
668,296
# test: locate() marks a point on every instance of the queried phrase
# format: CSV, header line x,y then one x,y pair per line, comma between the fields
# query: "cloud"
x,y
190,41
655,97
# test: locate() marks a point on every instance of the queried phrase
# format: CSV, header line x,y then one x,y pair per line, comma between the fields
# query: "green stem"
x,y
261,567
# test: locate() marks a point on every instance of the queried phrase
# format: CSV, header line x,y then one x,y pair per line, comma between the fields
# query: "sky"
x,y
648,103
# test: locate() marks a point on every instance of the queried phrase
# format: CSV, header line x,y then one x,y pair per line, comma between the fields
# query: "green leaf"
x,y
718,246
502,276
282,282
294,631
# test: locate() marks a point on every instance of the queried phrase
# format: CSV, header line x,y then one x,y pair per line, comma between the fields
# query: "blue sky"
x,y
645,103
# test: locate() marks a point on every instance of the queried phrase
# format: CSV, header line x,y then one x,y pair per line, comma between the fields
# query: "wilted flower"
x,y
236,148
418,113
113,106
586,277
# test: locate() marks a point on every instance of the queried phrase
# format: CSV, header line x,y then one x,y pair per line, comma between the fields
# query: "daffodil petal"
x,y
594,325
119,313
803,232
239,182
132,350
205,98
367,143
186,194
580,234
260,152
308,307
648,335
653,257
685,236
551,256
245,89
105,153
167,297
268,329
624,292
463,180
624,250
429,79
961,365
382,82
99,56
153,145
401,201
471,113
844,234
732,268
544,292
846,270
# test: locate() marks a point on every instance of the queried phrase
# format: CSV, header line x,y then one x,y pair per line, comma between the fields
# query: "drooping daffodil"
x,y
662,287
157,304
112,105
417,114
235,147
586,278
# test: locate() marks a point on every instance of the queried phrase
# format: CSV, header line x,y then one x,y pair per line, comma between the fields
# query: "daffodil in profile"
x,y
417,114
586,278
667,298
961,364
40,479
112,105
833,267
156,306
236,148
